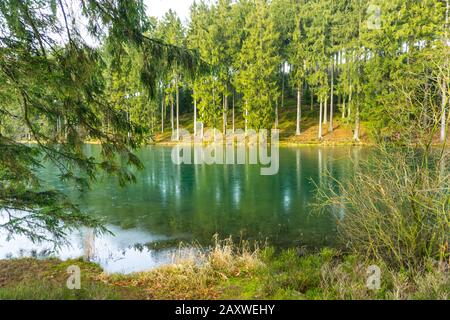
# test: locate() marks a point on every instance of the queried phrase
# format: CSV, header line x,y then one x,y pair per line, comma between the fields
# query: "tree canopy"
x,y
59,90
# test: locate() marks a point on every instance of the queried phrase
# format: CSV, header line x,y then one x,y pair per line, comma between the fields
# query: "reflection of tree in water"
x,y
198,201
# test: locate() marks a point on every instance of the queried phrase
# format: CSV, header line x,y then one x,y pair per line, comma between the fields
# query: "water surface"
x,y
172,203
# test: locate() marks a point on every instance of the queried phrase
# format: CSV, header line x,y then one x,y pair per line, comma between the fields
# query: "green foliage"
x,y
207,92
59,90
259,58
55,92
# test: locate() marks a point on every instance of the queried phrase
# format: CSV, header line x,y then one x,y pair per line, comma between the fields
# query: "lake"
x,y
172,203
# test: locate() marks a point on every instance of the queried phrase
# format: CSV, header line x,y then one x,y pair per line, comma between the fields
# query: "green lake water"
x,y
171,203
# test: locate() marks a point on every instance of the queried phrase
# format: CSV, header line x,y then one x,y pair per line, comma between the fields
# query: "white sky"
x,y
158,8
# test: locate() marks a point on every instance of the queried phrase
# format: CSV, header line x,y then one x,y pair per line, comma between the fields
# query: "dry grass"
x,y
195,272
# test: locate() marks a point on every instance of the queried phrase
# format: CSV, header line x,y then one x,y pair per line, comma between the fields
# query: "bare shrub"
x,y
397,207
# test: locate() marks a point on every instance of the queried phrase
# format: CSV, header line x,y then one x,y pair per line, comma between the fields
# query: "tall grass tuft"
x,y
196,270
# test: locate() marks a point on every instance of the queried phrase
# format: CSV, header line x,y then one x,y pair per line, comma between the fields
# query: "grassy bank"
x,y
227,273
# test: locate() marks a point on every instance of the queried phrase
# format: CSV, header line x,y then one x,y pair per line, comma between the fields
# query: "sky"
x,y
159,7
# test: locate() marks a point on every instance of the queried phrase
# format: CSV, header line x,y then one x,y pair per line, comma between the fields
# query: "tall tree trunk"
x,y
299,109
357,125
358,91
225,110
332,98
276,114
246,115
162,112
338,72
178,107
325,111
282,85
202,130
320,119
172,123
195,115
339,102
349,106
233,110
343,107
153,118
129,123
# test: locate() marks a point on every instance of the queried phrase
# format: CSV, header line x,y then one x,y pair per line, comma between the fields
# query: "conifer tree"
x,y
50,74
257,76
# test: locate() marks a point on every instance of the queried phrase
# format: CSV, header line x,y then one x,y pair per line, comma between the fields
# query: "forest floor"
x,y
225,275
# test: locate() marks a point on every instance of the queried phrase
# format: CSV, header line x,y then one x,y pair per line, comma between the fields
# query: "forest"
x,y
378,63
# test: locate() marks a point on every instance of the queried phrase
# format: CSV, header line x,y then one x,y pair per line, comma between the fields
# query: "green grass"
x,y
43,291
25,279
227,273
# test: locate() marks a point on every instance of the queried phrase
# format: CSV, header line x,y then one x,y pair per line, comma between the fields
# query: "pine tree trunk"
x,y
246,115
162,113
349,107
299,109
202,131
343,107
358,92
233,110
320,119
332,98
128,120
282,85
178,107
325,111
338,73
357,125
172,123
195,116
225,110
276,114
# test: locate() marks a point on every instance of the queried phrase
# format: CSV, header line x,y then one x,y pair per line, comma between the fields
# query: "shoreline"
x,y
226,274
280,144
284,144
